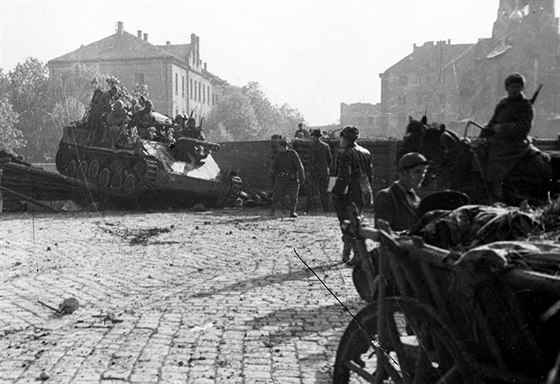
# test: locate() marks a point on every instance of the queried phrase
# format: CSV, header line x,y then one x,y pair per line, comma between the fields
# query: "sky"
x,y
309,54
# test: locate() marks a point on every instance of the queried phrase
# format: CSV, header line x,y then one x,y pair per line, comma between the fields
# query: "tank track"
x,y
120,173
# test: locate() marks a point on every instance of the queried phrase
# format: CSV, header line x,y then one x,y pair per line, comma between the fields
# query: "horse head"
x,y
423,138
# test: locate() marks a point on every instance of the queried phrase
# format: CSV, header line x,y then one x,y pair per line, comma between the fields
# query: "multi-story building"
x,y
177,79
455,82
424,81
365,116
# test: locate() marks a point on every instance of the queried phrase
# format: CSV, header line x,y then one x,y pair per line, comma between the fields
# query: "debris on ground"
x,y
109,316
67,307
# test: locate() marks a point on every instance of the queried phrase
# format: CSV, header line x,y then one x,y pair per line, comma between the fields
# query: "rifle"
x,y
536,94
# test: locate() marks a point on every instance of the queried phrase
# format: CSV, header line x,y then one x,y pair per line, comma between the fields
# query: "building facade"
x,y
176,78
365,116
452,83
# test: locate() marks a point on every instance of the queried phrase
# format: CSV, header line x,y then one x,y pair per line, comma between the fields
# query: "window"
x,y
191,88
176,84
204,94
183,86
403,80
199,90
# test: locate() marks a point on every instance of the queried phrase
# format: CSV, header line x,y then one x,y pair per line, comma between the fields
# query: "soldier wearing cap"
x,y
398,204
287,175
319,164
301,133
354,177
507,133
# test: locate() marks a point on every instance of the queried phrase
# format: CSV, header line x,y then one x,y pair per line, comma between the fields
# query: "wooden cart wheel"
x,y
415,346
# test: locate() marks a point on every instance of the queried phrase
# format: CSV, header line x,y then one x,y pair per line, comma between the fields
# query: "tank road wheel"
x,y
62,159
93,170
130,183
72,168
416,346
83,170
104,178
116,182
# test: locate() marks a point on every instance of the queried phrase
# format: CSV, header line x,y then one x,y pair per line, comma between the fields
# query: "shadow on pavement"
x,y
246,285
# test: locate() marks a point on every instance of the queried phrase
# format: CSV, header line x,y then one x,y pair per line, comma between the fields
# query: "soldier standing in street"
x,y
354,181
287,175
320,164
301,133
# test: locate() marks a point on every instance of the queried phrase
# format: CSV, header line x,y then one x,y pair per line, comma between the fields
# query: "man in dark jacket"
x,y
320,164
354,179
287,175
507,133
398,204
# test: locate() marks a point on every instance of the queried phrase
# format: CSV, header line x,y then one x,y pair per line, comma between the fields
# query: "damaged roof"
x,y
119,46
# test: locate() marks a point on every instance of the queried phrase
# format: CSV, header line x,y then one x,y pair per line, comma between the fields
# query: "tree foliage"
x,y
28,92
232,118
10,138
245,113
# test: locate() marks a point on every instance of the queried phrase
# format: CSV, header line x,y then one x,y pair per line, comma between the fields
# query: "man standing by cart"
x,y
354,177
398,204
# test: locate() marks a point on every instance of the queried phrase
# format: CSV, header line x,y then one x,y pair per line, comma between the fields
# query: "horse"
x,y
459,164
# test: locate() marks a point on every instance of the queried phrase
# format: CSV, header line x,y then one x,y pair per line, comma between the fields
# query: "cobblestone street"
x,y
171,297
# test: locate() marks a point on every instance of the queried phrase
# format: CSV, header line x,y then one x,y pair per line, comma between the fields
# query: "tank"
x,y
130,153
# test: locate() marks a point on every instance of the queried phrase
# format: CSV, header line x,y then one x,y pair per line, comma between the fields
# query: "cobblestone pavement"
x,y
207,297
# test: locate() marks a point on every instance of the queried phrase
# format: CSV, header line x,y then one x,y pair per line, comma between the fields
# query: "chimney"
x,y
414,47
168,43
120,27
139,33
448,41
205,66
145,37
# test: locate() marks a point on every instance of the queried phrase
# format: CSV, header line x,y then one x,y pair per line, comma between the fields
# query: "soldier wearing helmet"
x,y
507,133
117,121
354,176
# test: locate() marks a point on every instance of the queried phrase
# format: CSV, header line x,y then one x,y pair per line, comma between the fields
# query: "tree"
x,y
10,137
233,118
263,119
71,91
27,91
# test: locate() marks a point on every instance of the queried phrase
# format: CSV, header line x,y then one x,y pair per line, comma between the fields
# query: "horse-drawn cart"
x,y
489,315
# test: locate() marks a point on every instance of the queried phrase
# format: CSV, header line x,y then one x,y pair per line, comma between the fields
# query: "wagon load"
x,y
481,312
128,150
472,225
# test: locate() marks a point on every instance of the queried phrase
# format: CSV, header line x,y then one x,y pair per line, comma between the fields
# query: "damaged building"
x,y
453,82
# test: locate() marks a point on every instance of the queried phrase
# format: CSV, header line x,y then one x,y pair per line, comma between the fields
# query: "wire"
x,y
374,342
